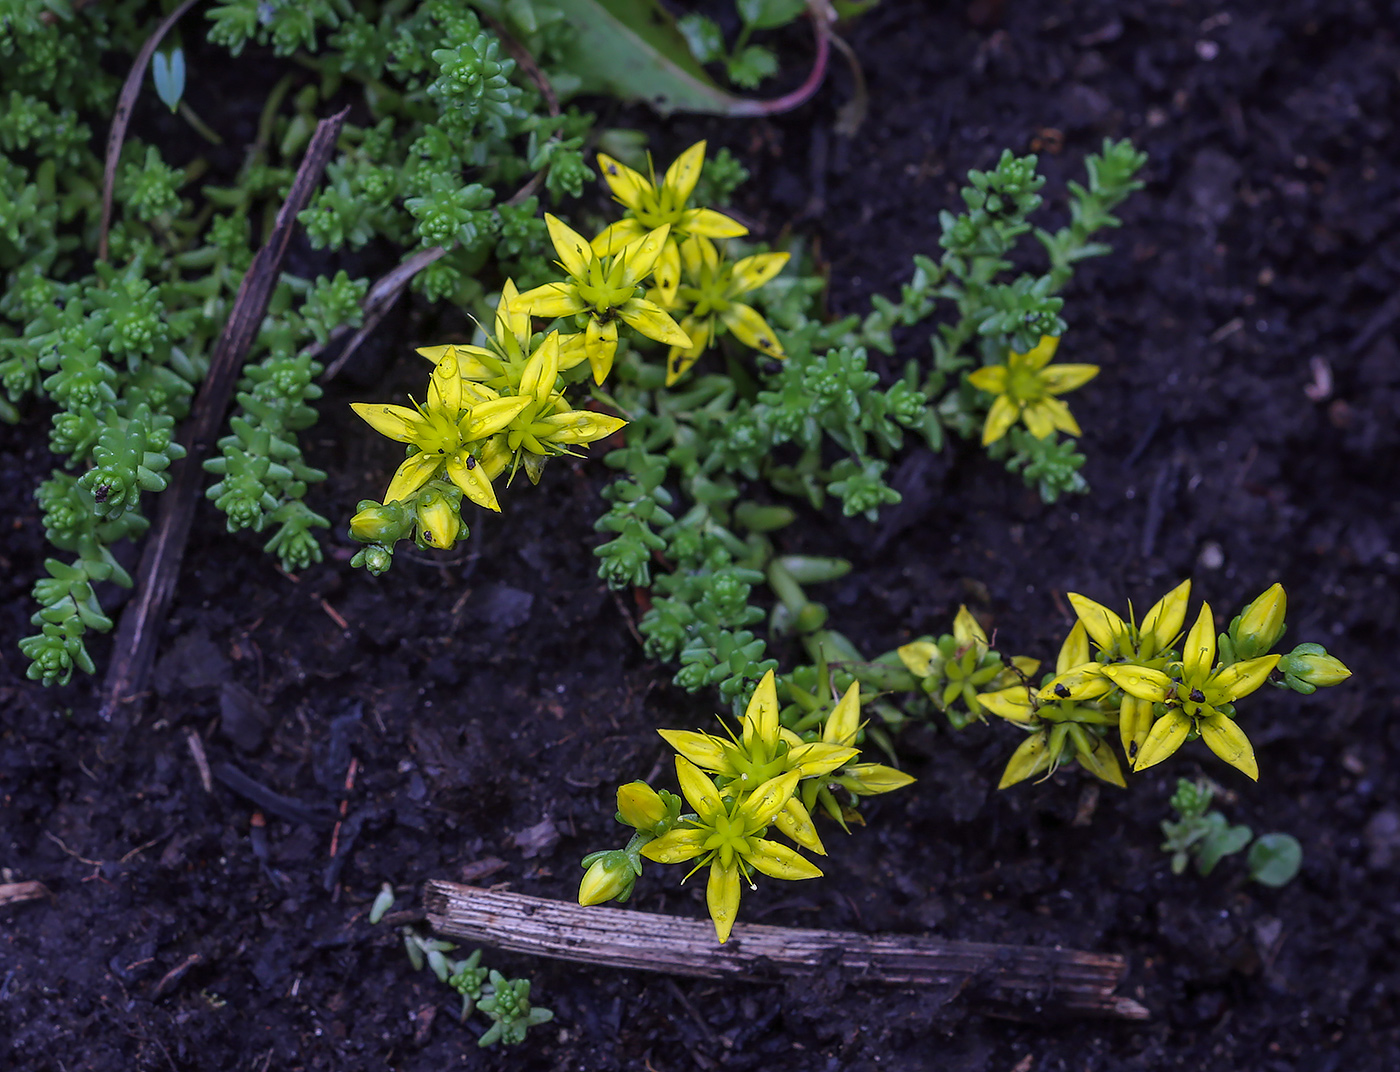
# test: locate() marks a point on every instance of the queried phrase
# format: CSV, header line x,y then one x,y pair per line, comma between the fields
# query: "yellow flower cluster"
x,y
1135,678
738,788
502,405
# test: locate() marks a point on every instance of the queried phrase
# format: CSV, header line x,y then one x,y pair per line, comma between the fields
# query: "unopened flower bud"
x,y
1308,667
378,524
438,520
1260,625
640,806
610,876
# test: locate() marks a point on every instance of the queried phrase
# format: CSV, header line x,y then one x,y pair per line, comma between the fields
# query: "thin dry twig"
x,y
1065,980
122,116
160,562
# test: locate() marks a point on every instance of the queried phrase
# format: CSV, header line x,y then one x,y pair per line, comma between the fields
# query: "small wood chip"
x,y
17,892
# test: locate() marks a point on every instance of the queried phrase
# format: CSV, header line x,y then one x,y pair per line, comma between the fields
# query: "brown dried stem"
x,y
165,547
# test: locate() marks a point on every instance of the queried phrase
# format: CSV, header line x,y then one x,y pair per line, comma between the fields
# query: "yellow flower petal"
x,y
1075,650
1164,621
796,822
761,715
1042,418
1140,681
698,789
476,363
412,475
667,273
708,223
627,185
917,656
1096,756
1083,682
768,799
989,378
871,779
1167,735
578,427
435,353
1003,414
1198,653
968,631
684,172
510,319
551,300
844,720
600,344
396,422
700,748
653,322
752,272
542,370
818,758
751,329
617,235
1060,416
1059,379
722,897
1134,724
676,846
469,475
575,254
1012,704
679,360
1240,679
573,350
779,861
1103,625
1223,737
1030,758
1040,356
488,418
639,257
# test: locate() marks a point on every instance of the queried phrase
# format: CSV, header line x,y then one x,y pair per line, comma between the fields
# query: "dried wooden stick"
x,y
165,547
1066,980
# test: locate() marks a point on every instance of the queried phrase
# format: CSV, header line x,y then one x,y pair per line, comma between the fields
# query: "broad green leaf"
x,y
632,49
1274,859
769,14
168,73
752,66
704,37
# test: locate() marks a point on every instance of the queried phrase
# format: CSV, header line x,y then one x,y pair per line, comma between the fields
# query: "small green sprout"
x,y
382,903
1207,837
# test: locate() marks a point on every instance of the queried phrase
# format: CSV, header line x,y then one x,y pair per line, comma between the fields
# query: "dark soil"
x,y
1244,430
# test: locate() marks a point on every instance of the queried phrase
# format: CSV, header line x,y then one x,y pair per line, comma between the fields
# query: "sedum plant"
x,y
1157,689
454,149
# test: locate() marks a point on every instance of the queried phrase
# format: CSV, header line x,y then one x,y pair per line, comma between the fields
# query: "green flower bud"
x,y
1260,625
1308,667
379,524
640,806
609,877
375,557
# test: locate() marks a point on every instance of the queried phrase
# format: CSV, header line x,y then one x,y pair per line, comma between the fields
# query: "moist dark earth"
x,y
1243,430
